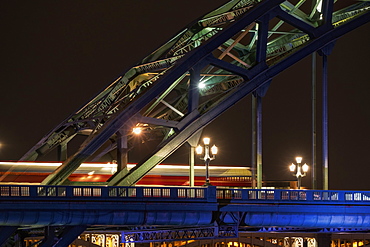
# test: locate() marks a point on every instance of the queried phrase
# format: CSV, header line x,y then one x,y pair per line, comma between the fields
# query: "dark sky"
x,y
57,55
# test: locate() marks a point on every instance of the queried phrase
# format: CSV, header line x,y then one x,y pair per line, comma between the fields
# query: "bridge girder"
x,y
173,212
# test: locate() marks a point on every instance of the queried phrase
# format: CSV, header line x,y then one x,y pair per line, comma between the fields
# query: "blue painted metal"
x,y
40,205
327,12
259,140
50,237
6,232
325,139
254,141
69,234
181,206
313,126
174,234
61,236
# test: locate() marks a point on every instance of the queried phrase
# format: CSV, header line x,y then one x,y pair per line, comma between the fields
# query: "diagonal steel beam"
x,y
69,234
5,233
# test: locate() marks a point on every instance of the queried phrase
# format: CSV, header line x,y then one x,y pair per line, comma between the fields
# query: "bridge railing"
x,y
200,194
95,192
301,196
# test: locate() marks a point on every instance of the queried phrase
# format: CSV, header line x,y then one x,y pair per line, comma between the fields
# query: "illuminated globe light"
x,y
298,159
206,140
137,130
201,85
199,150
305,167
214,150
299,171
209,154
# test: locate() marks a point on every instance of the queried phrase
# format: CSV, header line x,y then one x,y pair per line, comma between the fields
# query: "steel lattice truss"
x,y
180,234
232,51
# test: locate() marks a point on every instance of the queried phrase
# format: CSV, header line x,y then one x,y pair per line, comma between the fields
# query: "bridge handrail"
x,y
104,192
200,194
301,196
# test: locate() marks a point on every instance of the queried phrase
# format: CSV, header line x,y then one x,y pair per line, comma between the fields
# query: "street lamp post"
x,y
298,171
207,156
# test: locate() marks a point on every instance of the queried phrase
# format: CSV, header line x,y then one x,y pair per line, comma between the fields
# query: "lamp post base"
x,y
207,183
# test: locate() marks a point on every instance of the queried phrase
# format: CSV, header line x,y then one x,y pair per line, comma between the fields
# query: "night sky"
x,y
57,55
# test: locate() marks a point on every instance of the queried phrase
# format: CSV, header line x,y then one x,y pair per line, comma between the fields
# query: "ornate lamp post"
x,y
207,156
298,171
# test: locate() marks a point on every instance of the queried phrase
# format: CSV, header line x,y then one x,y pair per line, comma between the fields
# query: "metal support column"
x,y
122,150
254,141
191,168
325,146
313,160
207,161
62,152
262,26
193,142
259,142
192,105
19,239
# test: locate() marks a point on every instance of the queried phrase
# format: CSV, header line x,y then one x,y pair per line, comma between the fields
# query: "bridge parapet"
x,y
294,196
25,205
41,192
196,194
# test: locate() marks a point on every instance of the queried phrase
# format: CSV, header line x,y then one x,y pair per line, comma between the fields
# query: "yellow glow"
x,y
137,130
99,165
29,164
199,150
214,150
56,164
305,167
298,159
206,140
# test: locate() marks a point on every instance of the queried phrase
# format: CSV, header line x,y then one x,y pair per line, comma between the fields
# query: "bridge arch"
x,y
161,94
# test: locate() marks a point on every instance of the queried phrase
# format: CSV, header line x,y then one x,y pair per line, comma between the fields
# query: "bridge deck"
x,y
181,206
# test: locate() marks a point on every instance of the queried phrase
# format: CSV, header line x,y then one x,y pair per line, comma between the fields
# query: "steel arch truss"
x,y
209,66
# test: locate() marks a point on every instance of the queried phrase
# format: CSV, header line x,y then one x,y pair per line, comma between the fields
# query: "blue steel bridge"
x,y
190,212
173,93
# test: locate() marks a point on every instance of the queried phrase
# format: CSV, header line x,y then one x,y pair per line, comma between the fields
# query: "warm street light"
x,y
207,158
298,171
137,130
